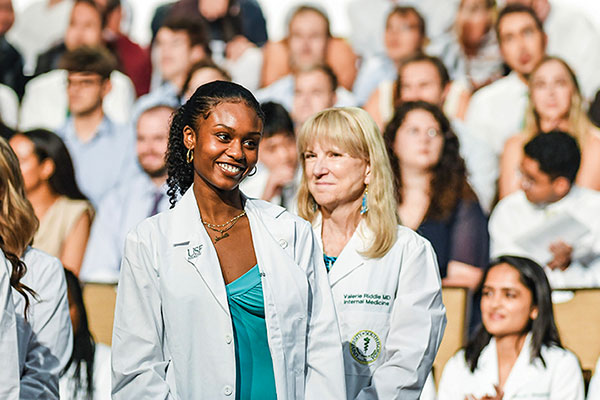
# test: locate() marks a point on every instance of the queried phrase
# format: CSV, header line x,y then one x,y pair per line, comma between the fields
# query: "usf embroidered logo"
x,y
194,252
365,347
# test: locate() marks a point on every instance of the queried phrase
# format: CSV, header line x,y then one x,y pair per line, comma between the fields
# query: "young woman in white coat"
x,y
43,324
223,297
384,277
516,353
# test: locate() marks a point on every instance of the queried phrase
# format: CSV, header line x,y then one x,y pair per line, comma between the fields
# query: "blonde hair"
x,y
354,131
579,124
18,222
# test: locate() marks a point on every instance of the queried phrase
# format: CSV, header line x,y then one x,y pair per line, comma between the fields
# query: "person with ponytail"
x,y
223,295
39,288
87,374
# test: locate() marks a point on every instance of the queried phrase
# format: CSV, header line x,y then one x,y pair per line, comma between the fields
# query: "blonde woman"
x,y
556,104
44,331
384,277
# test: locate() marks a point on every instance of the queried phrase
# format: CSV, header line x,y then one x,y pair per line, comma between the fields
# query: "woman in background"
x,y
516,352
64,213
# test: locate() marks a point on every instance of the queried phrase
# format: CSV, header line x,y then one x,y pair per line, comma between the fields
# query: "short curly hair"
x,y
201,104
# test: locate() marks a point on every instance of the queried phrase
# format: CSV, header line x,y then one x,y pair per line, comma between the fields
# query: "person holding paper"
x,y
550,219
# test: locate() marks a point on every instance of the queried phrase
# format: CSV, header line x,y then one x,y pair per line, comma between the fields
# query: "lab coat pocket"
x,y
364,334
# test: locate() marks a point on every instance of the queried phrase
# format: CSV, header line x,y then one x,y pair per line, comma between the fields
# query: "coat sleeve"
x,y
451,387
324,361
567,380
417,323
139,364
9,378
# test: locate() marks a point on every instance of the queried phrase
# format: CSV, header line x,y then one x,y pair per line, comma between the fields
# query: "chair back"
x,y
100,302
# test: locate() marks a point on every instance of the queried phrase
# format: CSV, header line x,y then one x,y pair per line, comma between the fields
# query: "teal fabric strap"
x,y
329,261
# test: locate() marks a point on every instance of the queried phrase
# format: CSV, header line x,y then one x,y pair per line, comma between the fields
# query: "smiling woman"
x,y
242,275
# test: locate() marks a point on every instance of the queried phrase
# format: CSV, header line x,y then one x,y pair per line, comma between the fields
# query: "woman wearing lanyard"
x,y
384,277
222,296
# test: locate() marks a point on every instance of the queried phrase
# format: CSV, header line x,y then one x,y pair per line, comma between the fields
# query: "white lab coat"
x,y
396,303
594,388
46,337
101,378
9,378
561,379
173,336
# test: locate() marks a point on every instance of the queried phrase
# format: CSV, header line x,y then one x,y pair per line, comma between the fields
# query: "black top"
x,y
11,68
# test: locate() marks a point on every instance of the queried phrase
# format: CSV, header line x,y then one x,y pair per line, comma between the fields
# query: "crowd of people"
x,y
444,143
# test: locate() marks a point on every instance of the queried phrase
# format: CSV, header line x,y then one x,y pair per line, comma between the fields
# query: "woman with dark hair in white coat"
x,y
516,353
40,299
384,277
223,296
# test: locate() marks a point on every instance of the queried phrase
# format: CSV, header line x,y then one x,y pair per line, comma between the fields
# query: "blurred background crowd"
x,y
490,110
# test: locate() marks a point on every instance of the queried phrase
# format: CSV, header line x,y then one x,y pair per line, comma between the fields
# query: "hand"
x,y
236,47
498,396
541,9
562,255
278,178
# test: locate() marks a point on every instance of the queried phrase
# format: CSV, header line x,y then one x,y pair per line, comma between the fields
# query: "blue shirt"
x,y
120,211
372,72
103,161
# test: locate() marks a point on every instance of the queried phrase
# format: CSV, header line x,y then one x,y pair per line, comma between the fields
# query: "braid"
x,y
204,99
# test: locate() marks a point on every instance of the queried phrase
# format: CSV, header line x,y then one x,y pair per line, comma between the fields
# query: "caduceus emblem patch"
x,y
365,347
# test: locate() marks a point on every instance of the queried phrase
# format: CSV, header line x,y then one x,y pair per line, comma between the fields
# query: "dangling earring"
x,y
365,206
190,156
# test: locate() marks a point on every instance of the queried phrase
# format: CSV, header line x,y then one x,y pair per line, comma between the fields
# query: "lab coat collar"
x,y
350,257
518,376
196,247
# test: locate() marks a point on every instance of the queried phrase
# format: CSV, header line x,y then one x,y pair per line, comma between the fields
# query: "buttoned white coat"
x,y
390,312
560,379
173,336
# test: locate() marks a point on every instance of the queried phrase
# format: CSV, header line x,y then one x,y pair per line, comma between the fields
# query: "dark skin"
x,y
225,148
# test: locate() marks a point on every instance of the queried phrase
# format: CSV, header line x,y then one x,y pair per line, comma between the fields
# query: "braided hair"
x,y
201,104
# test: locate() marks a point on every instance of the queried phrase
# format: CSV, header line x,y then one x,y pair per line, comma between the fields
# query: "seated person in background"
x,y
134,61
309,42
516,352
555,103
470,49
87,375
550,220
9,106
496,111
433,194
11,62
572,36
425,78
180,42
134,199
45,103
315,90
200,73
277,176
101,150
404,37
49,180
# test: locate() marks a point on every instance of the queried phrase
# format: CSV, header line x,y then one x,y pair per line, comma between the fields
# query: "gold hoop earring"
x,y
190,156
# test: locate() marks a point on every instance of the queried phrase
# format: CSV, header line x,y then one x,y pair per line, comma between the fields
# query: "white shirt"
x,y
577,43
497,111
119,212
45,103
173,335
9,106
390,313
515,216
560,379
101,377
46,337
9,378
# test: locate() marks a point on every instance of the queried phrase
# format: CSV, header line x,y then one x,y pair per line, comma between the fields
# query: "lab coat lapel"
x,y
519,376
193,247
350,258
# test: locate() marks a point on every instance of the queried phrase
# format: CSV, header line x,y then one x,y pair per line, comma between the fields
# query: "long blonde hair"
x,y
18,222
354,131
579,124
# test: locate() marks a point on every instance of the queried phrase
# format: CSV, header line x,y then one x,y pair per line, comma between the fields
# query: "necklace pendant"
x,y
223,236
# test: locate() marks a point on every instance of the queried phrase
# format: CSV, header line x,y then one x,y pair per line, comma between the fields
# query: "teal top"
x,y
329,261
255,379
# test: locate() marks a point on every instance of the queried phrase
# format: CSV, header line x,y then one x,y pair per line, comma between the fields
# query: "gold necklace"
x,y
223,228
